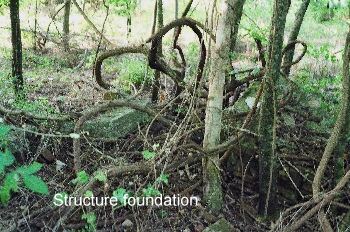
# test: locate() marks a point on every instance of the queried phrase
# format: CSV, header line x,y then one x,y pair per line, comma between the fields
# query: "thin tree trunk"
x,y
17,75
337,140
238,8
128,26
35,37
66,25
220,68
299,18
154,17
176,9
160,24
268,207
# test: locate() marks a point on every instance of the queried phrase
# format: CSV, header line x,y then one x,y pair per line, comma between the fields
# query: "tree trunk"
x,y
299,18
268,207
128,26
238,9
220,68
66,25
17,75
337,140
176,9
160,24
35,37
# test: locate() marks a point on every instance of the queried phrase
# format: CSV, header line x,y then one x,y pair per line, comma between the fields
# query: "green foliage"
x,y
35,183
39,106
121,194
322,51
11,178
88,193
150,191
33,60
6,159
90,219
323,84
163,178
123,7
100,176
3,4
323,14
131,71
147,155
82,177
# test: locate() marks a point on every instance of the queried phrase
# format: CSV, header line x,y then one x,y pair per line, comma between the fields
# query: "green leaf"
x,y
11,181
89,217
4,196
6,159
36,184
100,176
10,184
82,177
120,193
150,191
4,130
163,178
29,170
88,193
148,154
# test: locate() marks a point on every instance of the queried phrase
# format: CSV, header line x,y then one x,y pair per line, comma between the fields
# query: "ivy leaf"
x,y
148,154
120,193
89,217
163,178
36,184
100,176
31,169
150,191
6,159
88,193
82,177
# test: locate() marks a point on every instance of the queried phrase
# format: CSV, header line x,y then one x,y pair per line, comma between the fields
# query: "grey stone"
x,y
127,224
222,225
112,124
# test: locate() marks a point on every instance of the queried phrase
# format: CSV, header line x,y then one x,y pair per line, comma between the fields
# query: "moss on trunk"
x,y
268,207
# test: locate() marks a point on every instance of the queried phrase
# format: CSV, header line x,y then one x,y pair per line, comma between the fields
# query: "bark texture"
x,y
268,207
66,25
220,68
160,24
337,140
17,73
